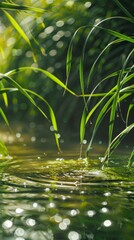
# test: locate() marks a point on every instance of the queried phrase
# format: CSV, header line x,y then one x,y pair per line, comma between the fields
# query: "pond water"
x,y
49,196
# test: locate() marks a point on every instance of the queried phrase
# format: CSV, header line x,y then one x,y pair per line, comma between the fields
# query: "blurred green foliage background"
x,y
50,34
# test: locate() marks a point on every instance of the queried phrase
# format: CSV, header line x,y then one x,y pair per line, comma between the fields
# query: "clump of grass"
x,y
15,86
116,87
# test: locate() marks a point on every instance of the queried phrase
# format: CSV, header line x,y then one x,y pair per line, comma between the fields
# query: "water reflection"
x,y
46,197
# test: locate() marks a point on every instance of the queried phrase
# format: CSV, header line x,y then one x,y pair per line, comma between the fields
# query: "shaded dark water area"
x,y
49,196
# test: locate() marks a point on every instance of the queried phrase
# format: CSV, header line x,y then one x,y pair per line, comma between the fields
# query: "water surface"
x,y
49,196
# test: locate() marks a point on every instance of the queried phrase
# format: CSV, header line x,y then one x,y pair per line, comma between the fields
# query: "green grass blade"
x,y
52,116
9,6
99,119
82,126
4,95
81,75
116,141
131,106
119,35
26,92
46,73
19,30
124,9
131,159
70,55
17,27
22,90
68,62
119,85
100,55
3,149
4,116
8,90
107,106
113,111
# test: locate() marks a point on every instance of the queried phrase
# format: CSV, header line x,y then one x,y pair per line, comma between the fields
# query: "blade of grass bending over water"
x,y
27,95
94,27
22,90
121,39
124,94
131,159
11,6
116,141
52,116
110,148
46,73
95,62
119,85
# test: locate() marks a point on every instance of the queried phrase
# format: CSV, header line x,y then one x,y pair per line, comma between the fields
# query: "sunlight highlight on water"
x,y
47,196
